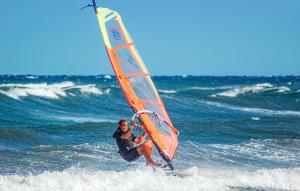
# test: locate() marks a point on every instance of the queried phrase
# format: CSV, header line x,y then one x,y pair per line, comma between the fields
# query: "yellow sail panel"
x,y
136,83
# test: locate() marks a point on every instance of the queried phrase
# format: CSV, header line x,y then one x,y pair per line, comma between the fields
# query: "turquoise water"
x,y
243,133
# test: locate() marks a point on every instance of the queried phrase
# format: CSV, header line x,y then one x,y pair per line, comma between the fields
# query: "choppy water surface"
x,y
243,133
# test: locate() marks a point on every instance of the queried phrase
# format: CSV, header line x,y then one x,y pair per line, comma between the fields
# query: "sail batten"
x,y
123,46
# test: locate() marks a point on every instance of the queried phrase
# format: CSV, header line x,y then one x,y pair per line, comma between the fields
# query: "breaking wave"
x,y
107,77
257,88
210,88
253,110
147,179
255,118
84,119
32,77
53,91
168,91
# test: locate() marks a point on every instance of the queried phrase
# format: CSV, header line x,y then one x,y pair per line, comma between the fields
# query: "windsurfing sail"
x,y
136,84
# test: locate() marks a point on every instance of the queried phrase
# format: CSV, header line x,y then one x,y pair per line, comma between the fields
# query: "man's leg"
x,y
146,150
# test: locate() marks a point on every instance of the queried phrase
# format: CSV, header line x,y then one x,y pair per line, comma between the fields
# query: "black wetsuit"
x,y
126,146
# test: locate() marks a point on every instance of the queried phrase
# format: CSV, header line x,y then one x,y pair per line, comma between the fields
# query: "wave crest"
x,y
257,88
253,110
52,91
168,91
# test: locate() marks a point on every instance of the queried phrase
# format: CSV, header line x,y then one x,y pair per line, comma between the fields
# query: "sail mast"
x,y
95,6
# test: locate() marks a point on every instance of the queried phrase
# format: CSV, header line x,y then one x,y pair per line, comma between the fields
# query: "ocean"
x,y
241,132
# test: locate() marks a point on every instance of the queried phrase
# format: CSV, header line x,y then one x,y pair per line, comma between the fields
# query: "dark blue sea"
x,y
242,133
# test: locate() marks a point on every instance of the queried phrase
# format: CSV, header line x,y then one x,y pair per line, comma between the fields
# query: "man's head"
x,y
123,125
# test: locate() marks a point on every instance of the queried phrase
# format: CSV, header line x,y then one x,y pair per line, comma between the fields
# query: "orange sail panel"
x,y
136,83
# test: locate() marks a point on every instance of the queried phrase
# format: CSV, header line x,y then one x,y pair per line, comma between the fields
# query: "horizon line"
x,y
161,75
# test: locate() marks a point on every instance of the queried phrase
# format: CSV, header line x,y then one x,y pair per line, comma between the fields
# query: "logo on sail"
x,y
115,33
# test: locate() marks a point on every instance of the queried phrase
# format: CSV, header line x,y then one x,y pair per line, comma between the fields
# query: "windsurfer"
x,y
126,143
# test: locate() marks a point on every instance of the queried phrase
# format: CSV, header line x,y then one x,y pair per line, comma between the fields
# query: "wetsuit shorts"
x,y
131,155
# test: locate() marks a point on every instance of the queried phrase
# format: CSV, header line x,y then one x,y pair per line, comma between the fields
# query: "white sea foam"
x,y
41,90
253,110
84,119
283,89
280,89
89,89
210,88
148,180
168,91
257,88
184,76
32,77
242,90
258,149
53,91
255,118
107,77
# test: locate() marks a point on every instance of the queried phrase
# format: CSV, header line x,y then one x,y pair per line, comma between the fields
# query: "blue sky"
x,y
211,37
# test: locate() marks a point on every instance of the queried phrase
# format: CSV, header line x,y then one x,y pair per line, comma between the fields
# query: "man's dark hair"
x,y
122,121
